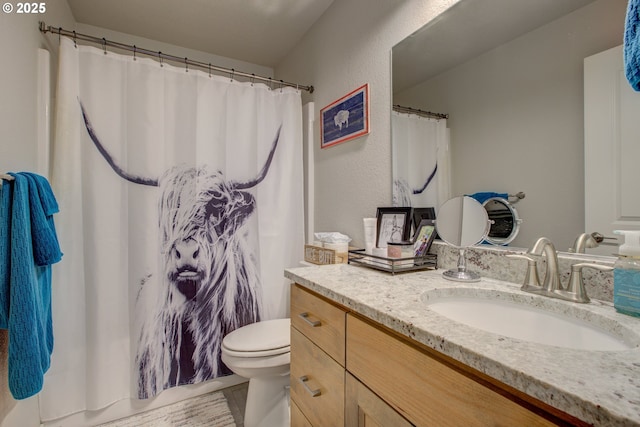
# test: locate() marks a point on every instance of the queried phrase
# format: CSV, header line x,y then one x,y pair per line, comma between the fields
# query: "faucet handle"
x,y
531,279
575,288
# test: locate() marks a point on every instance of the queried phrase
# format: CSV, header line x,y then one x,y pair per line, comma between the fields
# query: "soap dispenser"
x,y
626,274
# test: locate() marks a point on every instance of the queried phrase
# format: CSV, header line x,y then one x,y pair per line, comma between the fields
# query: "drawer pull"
x,y
305,317
303,380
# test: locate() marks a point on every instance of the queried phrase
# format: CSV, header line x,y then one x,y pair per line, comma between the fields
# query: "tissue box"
x,y
321,255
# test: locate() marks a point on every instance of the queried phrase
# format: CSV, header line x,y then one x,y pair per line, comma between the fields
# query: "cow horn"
x,y
117,169
265,168
426,184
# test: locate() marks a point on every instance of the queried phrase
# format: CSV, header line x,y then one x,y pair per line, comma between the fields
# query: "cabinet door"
x,y
297,417
363,408
611,149
422,388
317,383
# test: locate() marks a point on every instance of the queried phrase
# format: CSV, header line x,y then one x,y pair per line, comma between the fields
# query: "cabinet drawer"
x,y
317,383
423,389
320,321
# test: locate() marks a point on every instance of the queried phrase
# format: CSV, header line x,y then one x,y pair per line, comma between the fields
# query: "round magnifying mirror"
x,y
505,222
462,222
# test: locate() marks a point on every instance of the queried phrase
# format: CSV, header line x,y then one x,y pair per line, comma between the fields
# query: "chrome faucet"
x,y
551,276
552,286
586,240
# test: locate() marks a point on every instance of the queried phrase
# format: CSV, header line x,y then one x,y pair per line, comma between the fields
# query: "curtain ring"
x,y
253,77
160,58
281,84
104,45
209,69
59,33
270,84
233,71
134,52
75,44
186,65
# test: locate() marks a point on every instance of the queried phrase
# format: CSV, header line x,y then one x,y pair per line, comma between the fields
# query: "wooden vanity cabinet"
x,y
368,375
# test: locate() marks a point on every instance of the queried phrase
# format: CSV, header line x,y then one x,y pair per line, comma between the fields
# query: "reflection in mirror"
x,y
420,157
512,85
504,219
462,222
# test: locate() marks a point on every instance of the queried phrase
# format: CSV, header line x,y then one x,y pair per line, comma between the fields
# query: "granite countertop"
x,y
599,387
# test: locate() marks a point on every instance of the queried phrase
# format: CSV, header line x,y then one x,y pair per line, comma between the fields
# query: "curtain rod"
x,y
401,109
159,55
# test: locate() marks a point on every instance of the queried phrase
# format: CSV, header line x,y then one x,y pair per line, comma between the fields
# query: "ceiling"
x,y
466,30
260,32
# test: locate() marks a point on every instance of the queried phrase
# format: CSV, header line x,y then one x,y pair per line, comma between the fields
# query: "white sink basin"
x,y
532,318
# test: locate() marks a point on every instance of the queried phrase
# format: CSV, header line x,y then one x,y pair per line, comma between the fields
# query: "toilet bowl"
x,y
260,352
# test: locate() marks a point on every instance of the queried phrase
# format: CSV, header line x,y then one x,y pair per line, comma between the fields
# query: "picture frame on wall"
x,y
345,118
394,225
423,237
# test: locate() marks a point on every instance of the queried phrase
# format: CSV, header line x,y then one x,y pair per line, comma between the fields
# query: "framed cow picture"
x,y
345,118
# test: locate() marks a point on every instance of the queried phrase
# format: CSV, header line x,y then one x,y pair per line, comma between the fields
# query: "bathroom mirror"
x,y
509,74
462,222
504,219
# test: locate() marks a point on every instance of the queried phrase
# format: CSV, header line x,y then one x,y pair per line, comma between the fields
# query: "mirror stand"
x,y
461,274
462,222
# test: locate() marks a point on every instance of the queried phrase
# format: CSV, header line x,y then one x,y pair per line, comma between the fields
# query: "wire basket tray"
x,y
392,265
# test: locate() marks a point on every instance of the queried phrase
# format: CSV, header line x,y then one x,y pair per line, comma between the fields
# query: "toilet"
x,y
260,352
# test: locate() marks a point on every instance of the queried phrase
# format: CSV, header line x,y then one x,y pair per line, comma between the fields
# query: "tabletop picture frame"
x,y
423,237
394,224
345,118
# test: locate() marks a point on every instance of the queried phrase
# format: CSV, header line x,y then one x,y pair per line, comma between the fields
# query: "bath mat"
x,y
210,410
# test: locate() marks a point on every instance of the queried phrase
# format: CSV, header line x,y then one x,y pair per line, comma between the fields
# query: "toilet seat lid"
x,y
270,336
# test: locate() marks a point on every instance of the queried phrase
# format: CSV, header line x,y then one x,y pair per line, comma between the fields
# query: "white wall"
x,y
351,45
19,43
516,119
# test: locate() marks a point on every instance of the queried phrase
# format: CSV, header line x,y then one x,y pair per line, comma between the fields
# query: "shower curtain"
x,y
420,160
181,203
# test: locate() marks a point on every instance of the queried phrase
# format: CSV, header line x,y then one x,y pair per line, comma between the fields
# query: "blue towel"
x,y
483,196
632,44
46,249
28,247
6,196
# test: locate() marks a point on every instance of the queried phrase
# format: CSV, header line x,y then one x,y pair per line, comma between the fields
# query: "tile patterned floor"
x,y
237,399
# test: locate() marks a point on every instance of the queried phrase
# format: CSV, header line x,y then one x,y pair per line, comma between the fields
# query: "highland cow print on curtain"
x,y
181,203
